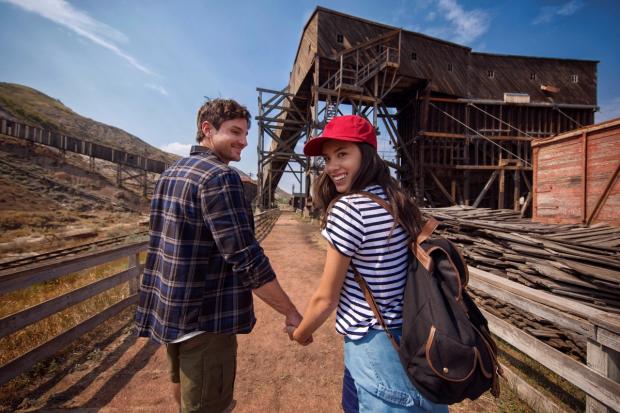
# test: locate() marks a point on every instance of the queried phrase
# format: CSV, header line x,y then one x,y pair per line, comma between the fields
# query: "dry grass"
x,y
38,333
553,386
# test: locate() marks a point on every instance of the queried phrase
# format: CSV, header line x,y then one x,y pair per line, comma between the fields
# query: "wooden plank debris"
x,y
574,261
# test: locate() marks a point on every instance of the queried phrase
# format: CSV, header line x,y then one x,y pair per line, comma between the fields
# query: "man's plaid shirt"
x,y
203,259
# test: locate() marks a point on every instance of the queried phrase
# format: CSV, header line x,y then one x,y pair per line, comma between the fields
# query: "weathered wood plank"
x,y
528,393
12,280
588,380
21,319
560,318
563,304
25,361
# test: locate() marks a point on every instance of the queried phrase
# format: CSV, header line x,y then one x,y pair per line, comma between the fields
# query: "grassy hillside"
x,y
30,106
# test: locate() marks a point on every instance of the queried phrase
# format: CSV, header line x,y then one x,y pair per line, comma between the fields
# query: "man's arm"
x,y
273,294
226,214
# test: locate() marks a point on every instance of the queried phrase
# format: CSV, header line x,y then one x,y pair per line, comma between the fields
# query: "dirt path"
x,y
274,374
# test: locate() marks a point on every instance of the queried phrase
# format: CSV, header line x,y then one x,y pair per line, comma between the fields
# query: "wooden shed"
x,y
575,177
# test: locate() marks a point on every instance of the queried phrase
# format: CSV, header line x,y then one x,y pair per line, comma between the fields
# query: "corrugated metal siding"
x,y
559,170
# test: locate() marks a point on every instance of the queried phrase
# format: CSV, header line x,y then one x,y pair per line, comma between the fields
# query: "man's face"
x,y
228,141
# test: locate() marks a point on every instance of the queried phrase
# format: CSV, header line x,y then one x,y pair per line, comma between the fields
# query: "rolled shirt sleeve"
x,y
226,213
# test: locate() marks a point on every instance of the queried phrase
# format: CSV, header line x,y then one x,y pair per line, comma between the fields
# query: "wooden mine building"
x,y
461,122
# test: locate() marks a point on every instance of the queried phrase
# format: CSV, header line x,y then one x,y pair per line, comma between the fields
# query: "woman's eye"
x,y
341,155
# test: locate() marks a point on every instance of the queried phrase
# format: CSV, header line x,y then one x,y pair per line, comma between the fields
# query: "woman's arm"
x,y
325,298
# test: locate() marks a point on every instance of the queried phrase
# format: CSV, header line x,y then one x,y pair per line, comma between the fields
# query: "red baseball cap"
x,y
350,128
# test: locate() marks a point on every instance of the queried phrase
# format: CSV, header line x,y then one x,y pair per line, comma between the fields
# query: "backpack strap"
x,y
373,305
420,253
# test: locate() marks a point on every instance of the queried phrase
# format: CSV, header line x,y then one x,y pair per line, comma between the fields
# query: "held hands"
x,y
292,321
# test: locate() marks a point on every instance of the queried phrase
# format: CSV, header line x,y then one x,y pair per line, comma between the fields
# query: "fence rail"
x,y
600,378
24,277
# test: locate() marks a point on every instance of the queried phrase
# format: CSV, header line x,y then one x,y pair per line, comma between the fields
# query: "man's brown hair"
x,y
218,111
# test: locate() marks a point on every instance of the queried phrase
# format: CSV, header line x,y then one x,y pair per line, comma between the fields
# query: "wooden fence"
x,y
599,379
20,278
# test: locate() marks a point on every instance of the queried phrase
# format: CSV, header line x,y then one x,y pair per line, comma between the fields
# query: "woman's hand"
x,y
290,330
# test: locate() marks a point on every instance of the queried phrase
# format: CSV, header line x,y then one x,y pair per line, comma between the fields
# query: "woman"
x,y
363,235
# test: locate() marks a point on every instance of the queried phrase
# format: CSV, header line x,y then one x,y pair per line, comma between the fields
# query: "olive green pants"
x,y
205,367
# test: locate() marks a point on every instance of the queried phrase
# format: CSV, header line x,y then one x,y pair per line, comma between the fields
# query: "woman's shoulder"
x,y
358,203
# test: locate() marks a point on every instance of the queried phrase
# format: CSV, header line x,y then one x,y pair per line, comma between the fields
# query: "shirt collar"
x,y
196,149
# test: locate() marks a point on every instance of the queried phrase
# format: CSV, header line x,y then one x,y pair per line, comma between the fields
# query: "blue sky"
x,y
146,66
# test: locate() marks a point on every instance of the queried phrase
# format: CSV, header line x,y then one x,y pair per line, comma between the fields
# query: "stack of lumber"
x,y
582,263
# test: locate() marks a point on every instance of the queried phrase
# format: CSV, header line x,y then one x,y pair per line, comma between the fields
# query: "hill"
x,y
51,199
27,105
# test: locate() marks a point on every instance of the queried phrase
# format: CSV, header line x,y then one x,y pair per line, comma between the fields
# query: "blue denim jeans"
x,y
380,379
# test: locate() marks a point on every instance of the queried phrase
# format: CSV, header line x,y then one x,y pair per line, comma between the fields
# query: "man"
x,y
204,262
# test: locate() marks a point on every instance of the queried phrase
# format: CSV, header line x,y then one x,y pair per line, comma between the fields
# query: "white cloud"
x,y
609,109
157,88
548,13
177,148
63,13
467,26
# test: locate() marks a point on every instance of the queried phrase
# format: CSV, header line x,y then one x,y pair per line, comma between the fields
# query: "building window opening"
x,y
340,38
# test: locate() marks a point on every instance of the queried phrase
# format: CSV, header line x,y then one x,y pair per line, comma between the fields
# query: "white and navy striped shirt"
x,y
360,228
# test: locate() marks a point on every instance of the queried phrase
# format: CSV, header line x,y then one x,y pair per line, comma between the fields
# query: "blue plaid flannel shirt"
x,y
203,258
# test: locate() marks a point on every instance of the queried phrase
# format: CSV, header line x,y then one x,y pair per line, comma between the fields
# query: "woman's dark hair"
x,y
373,171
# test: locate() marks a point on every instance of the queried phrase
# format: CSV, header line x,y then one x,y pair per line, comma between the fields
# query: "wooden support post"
x,y
528,199
442,189
134,262
453,186
486,188
606,361
517,189
502,186
601,200
584,177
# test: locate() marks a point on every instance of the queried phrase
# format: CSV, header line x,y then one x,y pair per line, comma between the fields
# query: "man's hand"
x,y
292,320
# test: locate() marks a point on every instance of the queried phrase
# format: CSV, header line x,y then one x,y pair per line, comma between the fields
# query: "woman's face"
x,y
342,163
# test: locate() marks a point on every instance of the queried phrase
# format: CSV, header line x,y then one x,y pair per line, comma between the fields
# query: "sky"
x,y
147,66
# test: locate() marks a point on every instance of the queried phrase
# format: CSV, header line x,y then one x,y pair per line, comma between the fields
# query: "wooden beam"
x,y
47,349
478,167
21,319
502,188
528,393
601,200
597,317
487,186
588,380
474,137
606,362
528,200
560,318
12,280
584,177
441,188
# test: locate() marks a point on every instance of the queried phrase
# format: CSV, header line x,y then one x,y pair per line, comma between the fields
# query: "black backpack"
x,y
446,347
